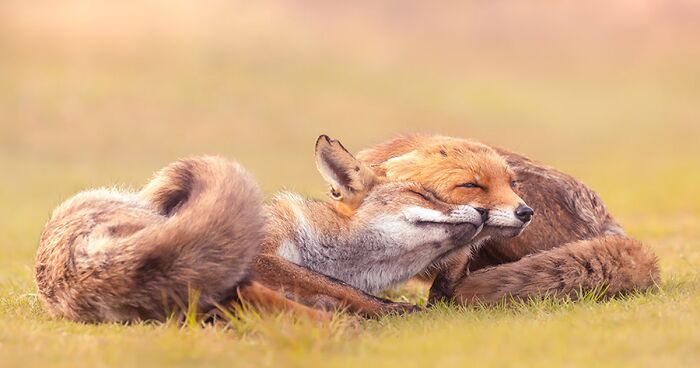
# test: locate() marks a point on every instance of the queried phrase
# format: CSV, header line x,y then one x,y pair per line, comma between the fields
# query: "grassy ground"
x,y
97,95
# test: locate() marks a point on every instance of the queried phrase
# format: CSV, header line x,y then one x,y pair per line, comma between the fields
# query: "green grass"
x,y
92,97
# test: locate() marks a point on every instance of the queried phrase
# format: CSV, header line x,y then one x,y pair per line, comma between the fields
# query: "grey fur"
x,y
374,255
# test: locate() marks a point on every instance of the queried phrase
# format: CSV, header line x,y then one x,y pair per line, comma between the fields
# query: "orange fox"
x,y
572,243
465,173
109,256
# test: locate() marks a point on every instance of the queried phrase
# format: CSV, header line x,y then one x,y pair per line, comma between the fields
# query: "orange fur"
x,y
443,164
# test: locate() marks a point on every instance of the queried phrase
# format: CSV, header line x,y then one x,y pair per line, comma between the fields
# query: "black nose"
x,y
524,213
483,212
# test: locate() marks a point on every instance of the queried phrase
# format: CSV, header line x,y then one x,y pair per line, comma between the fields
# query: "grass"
x,y
94,96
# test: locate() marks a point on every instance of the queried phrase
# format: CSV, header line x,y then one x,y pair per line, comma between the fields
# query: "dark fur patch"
x,y
344,178
176,198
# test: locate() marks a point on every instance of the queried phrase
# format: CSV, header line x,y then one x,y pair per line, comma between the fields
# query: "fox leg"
x,y
612,264
317,290
264,298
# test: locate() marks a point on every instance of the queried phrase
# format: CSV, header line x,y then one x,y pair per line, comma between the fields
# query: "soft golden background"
x,y
96,93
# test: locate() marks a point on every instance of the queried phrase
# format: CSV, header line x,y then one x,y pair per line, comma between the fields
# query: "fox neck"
x,y
364,252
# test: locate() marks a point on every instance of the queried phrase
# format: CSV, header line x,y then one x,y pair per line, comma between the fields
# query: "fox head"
x,y
403,211
457,171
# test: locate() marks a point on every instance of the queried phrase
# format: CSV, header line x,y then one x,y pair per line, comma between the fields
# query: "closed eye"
x,y
471,185
420,194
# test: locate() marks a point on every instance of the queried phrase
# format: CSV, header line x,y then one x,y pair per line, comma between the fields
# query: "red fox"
x,y
571,244
111,256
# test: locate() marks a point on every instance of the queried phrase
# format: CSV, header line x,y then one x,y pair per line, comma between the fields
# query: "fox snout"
x,y
509,222
508,217
475,216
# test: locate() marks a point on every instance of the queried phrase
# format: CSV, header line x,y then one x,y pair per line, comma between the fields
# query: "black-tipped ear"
x,y
347,176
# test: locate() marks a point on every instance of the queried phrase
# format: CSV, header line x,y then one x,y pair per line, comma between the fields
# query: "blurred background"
x,y
105,92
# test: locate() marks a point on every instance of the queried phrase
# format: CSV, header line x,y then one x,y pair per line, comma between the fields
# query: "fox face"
x,y
359,193
463,172
388,231
408,213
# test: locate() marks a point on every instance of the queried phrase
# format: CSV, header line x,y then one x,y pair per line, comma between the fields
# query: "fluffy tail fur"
x,y
611,264
108,256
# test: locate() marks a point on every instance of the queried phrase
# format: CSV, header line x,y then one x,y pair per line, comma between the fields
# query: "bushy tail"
x,y
190,233
610,265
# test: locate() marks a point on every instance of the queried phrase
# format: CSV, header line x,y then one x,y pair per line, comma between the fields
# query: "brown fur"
x,y
567,214
610,265
114,256
262,298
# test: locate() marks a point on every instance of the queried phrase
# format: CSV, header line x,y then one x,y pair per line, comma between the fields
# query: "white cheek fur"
x,y
421,214
400,231
459,214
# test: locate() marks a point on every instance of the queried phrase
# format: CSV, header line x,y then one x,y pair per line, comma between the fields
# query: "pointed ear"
x,y
350,179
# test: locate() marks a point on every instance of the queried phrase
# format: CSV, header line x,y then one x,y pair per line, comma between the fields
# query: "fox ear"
x,y
350,179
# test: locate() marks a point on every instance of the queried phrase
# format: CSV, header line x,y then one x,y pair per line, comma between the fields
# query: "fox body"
x,y
108,255
572,243
373,235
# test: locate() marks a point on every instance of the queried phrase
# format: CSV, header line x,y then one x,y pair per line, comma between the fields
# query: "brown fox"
x,y
108,255
572,244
